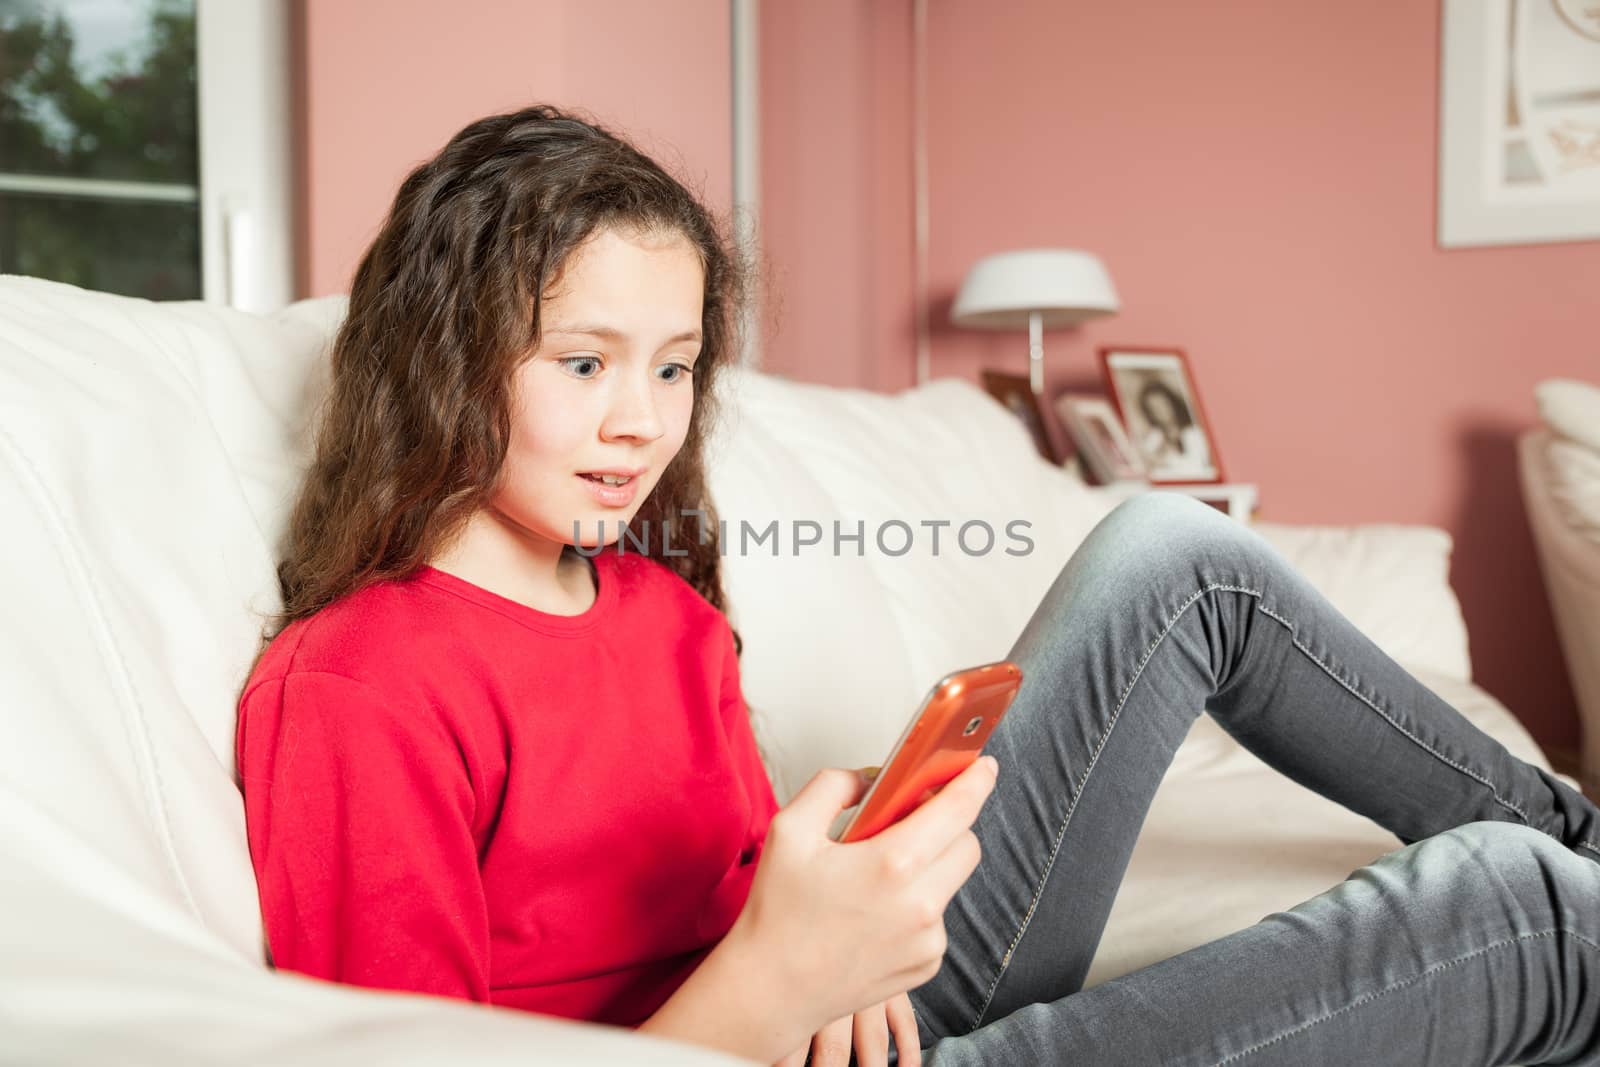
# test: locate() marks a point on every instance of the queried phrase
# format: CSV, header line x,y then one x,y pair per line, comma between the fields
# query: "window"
x,y
144,147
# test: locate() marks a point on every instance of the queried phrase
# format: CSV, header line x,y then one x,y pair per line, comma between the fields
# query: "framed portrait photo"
x,y
1157,399
1015,392
1100,439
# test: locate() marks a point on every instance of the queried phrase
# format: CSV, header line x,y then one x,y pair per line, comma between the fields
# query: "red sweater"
x,y
450,792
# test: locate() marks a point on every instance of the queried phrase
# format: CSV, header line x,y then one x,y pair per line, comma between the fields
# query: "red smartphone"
x,y
943,738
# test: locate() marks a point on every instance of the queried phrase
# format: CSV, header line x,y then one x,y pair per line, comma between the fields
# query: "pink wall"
x,y
385,83
836,215
1260,180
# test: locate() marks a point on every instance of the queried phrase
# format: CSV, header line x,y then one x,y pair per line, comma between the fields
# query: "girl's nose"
x,y
633,411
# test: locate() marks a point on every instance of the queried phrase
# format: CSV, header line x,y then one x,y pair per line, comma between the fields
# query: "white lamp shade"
x,y
1064,285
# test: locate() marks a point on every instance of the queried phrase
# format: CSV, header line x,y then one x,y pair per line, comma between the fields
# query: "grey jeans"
x,y
1475,943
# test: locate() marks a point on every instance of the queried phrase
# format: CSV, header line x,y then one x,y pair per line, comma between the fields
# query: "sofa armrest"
x,y
1569,562
101,967
1391,581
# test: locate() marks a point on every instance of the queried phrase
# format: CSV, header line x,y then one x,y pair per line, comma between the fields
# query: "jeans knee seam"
x,y
1370,998
1094,760
1387,717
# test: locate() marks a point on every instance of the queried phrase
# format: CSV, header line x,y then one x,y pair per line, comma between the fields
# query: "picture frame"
x,y
1100,439
1519,122
1159,404
1015,393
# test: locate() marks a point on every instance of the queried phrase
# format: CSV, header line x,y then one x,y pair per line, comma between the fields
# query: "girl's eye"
x,y
580,359
687,370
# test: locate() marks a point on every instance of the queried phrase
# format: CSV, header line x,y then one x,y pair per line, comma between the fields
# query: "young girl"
x,y
493,752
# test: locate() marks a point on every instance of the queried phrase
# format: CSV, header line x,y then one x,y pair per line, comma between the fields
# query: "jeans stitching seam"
x,y
1294,639
1094,759
1370,998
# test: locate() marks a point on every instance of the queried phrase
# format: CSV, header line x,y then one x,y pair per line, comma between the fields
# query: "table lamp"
x,y
1036,287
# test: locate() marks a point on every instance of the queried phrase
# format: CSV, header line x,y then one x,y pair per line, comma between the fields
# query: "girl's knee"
x,y
1496,843
1162,507
1517,861
1170,526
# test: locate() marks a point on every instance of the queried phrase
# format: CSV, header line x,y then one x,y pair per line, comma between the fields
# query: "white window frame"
x,y
246,153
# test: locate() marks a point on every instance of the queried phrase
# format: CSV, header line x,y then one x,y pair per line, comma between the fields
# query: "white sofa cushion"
x,y
839,648
134,437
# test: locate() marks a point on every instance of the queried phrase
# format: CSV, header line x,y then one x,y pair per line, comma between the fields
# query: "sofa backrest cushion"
x,y
843,638
146,453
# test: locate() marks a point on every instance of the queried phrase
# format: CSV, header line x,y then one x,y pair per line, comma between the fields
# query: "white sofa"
x,y
147,456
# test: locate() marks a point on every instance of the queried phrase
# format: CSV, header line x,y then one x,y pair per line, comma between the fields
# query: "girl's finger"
x,y
872,1037
831,1046
903,1021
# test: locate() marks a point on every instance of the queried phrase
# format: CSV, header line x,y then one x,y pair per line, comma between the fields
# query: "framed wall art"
x,y
1519,122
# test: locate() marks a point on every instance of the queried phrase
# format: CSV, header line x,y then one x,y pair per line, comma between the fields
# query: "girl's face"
x,y
608,387
1161,410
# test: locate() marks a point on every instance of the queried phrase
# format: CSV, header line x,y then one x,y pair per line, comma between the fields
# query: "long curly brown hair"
x,y
444,307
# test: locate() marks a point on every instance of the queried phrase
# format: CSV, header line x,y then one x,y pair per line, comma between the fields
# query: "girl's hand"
x,y
842,925
831,1046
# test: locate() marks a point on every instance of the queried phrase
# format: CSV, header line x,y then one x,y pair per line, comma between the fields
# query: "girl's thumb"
x,y
830,791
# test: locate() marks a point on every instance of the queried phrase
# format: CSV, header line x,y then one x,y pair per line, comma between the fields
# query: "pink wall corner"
x,y
386,84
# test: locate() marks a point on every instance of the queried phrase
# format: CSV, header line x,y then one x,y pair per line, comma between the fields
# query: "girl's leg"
x,y
1478,946
1167,608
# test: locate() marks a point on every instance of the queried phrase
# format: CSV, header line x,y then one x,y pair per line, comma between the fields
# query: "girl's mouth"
x,y
611,495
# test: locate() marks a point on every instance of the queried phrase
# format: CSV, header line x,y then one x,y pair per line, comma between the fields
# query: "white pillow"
x,y
1571,408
